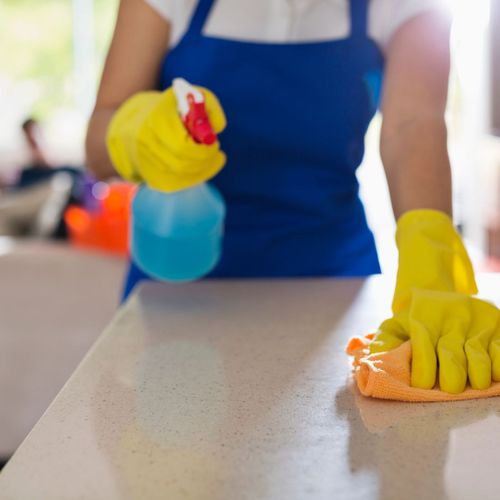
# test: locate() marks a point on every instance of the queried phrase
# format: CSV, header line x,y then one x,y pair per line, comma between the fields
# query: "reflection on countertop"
x,y
424,450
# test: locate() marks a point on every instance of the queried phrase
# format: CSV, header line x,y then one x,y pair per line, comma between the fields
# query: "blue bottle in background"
x,y
177,236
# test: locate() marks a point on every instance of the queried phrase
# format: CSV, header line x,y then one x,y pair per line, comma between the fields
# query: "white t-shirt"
x,y
282,21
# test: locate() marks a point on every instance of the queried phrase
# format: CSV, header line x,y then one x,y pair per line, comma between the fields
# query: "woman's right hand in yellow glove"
x,y
147,142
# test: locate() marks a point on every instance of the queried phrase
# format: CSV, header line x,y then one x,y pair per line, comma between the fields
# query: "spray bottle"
x,y
177,236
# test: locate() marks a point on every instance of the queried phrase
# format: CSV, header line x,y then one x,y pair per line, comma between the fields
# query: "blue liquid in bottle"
x,y
177,236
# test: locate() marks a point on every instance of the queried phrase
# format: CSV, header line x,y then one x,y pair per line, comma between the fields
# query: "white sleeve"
x,y
165,8
177,12
386,16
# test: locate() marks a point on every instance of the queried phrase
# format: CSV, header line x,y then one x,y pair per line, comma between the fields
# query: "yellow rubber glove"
x,y
147,142
431,256
458,333
432,307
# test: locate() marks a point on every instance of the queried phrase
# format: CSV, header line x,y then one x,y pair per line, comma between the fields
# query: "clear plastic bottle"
x,y
177,236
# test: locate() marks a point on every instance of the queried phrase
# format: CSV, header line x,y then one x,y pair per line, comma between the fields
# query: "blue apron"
x,y
297,116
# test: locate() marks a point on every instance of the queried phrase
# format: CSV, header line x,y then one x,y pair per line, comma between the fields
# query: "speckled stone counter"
x,y
241,390
54,302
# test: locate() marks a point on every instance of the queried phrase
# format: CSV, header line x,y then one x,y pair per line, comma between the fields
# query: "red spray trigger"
x,y
198,123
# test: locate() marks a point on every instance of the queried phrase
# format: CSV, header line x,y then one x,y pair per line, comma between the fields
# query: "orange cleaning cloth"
x,y
386,375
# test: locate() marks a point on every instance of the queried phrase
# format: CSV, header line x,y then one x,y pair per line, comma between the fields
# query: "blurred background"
x,y
63,235
52,53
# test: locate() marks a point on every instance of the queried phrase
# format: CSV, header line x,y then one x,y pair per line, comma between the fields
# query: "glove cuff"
x,y
123,130
431,256
414,219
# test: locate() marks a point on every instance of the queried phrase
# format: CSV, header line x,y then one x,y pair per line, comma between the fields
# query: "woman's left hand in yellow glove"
x,y
433,307
147,142
450,332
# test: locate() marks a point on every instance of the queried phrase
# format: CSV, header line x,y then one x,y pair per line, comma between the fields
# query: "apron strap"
x,y
199,18
359,18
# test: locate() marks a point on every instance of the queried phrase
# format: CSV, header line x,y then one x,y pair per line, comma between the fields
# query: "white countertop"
x,y
241,390
54,303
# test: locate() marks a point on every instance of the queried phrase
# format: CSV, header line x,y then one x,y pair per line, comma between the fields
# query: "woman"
x,y
299,82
